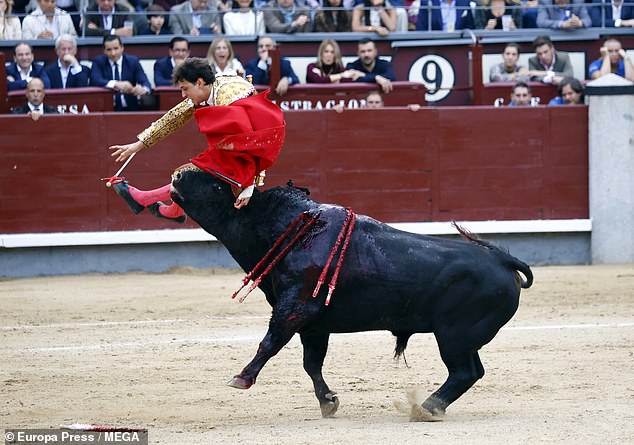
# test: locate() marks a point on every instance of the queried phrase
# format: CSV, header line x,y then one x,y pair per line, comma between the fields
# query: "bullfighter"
x,y
244,130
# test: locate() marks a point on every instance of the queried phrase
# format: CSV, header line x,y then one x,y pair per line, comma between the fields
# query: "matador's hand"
x,y
123,152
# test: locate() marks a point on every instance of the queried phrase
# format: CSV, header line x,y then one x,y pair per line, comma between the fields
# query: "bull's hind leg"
x,y
465,368
315,348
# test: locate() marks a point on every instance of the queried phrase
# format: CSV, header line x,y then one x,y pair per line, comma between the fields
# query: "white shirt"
x,y
107,18
448,13
244,23
40,108
64,71
616,11
25,75
232,68
37,22
111,83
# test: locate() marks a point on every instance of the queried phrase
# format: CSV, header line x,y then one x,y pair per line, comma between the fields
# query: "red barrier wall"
x,y
436,164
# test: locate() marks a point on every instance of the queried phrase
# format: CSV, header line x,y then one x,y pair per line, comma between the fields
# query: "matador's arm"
x,y
171,121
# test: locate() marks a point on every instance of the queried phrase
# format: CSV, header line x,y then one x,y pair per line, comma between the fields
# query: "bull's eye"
x,y
177,176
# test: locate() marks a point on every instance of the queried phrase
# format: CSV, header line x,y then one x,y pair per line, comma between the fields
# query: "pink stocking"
x,y
151,196
171,211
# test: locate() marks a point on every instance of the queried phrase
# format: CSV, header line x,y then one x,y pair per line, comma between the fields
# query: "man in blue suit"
x,y
121,73
259,67
66,71
625,18
446,15
163,67
370,68
22,69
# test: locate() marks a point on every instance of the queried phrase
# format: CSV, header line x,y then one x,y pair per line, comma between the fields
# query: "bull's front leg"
x,y
287,319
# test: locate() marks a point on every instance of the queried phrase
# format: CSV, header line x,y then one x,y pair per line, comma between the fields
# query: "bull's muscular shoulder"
x,y
228,89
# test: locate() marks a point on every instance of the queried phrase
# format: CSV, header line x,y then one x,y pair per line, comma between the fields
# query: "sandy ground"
x,y
155,351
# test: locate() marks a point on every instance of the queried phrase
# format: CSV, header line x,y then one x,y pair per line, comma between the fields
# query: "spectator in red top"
x,y
329,68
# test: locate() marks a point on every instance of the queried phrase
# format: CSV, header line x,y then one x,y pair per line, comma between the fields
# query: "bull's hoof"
x,y
239,383
420,414
329,408
434,406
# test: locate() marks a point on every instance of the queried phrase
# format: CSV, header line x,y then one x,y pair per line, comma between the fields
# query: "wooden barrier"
x,y
321,96
435,164
71,100
492,92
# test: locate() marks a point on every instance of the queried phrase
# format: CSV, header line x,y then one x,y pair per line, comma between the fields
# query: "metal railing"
x,y
140,19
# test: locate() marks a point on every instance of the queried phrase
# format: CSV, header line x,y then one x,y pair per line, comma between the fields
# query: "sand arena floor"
x,y
155,351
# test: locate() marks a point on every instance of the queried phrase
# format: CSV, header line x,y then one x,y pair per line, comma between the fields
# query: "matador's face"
x,y
197,92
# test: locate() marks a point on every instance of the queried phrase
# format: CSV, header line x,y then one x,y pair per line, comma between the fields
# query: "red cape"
x,y
243,138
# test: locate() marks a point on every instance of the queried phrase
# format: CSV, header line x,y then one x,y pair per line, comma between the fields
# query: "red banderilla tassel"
x,y
342,255
303,229
342,233
268,255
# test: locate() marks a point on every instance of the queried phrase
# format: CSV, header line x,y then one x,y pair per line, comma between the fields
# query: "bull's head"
x,y
203,196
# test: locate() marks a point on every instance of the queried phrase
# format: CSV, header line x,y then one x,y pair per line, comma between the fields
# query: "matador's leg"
x,y
138,200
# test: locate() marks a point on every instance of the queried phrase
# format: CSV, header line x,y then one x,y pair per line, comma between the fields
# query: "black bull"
x,y
463,291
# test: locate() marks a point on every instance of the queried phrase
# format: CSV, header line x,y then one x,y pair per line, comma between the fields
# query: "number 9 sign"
x,y
436,73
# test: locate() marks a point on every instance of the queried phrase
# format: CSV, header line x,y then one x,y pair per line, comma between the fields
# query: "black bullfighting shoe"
x,y
122,189
154,210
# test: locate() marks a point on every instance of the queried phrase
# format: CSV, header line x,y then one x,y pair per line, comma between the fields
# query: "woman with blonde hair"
x,y
329,67
221,58
10,28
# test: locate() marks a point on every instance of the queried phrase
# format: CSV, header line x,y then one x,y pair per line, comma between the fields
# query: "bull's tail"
x,y
509,259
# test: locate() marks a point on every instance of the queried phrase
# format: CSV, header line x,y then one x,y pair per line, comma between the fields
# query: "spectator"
x,y
10,28
613,60
450,16
121,73
242,20
34,105
67,72
374,69
47,22
104,19
155,22
374,100
167,4
494,13
529,13
374,16
22,69
548,65
259,67
221,58
327,20
521,95
571,92
562,14
195,17
509,70
286,17
616,14
163,67
329,67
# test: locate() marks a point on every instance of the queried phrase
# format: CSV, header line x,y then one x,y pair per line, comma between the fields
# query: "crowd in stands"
x,y
123,74
48,19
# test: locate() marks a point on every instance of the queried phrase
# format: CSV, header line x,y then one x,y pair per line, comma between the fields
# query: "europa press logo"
x,y
436,73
